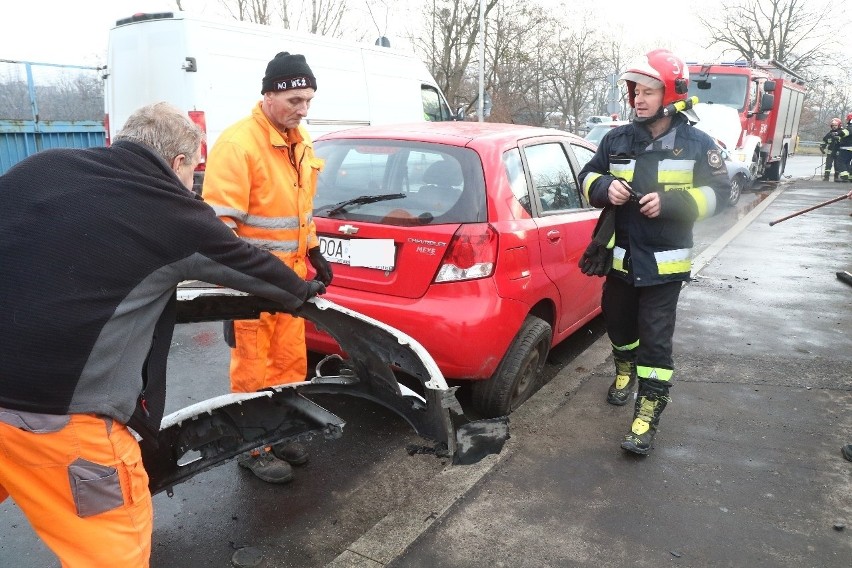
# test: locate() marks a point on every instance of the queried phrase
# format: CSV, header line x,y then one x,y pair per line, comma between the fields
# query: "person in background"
x,y
94,243
660,175
261,179
844,153
831,148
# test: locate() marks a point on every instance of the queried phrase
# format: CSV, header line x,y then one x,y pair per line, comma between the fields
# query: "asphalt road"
x,y
349,485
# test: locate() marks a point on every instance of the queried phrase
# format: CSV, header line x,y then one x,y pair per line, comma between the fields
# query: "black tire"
x,y
518,375
737,187
777,168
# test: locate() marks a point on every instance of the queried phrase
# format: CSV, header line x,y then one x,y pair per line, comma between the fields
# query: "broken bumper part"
x,y
206,434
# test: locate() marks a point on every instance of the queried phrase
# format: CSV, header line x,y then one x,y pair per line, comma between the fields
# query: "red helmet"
x,y
658,68
849,117
836,121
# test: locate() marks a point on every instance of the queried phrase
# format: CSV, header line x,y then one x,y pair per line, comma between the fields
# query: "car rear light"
x,y
197,116
108,140
471,254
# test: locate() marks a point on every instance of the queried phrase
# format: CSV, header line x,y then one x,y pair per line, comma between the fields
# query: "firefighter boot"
x,y
624,384
651,400
825,177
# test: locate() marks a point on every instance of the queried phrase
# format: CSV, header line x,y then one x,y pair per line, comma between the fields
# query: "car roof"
x,y
454,133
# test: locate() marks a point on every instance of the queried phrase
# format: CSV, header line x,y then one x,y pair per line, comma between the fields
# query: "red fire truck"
x,y
768,98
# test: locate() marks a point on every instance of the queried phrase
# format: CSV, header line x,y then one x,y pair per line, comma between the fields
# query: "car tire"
x,y
737,186
518,375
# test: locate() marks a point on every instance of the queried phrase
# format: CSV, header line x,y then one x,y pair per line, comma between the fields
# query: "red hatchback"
x,y
464,235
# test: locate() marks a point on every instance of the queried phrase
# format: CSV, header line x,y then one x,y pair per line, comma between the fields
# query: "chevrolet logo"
x,y
348,229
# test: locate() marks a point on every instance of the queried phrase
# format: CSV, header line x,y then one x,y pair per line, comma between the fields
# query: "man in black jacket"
x,y
660,175
93,244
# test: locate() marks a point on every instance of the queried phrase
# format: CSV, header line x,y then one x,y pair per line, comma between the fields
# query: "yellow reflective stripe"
x,y
629,347
640,426
654,373
676,172
673,261
587,183
618,259
705,200
623,171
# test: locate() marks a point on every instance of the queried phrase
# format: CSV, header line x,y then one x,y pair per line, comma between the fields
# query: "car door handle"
x,y
553,235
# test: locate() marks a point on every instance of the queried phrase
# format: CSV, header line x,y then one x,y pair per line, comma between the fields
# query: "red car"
x,y
464,235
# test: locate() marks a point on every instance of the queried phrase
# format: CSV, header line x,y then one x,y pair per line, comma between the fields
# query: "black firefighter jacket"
x,y
685,167
92,246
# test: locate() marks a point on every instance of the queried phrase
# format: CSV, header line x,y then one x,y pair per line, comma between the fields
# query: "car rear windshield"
x,y
396,182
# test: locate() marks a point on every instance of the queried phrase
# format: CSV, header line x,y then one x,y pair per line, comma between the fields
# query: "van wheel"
x,y
518,375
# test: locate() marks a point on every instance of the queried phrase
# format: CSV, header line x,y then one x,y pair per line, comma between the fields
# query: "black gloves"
x,y
597,259
822,148
321,265
315,288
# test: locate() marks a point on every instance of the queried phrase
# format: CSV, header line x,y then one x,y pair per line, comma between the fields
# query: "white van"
x,y
213,70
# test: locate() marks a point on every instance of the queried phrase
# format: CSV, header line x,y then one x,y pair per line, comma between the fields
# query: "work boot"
x,y
847,451
267,467
825,177
650,402
625,381
293,453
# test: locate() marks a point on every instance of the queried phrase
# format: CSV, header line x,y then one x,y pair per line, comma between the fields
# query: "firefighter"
x,y
659,175
831,148
99,239
261,179
844,155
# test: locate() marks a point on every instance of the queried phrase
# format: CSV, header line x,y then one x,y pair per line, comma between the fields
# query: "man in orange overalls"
x,y
261,180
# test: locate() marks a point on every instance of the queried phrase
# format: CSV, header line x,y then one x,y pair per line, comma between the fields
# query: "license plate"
x,y
369,253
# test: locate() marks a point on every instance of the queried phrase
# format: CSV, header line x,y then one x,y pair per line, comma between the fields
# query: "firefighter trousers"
x,y
269,351
80,481
640,322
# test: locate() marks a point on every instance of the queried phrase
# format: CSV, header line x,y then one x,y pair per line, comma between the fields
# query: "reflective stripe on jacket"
x,y
255,188
685,167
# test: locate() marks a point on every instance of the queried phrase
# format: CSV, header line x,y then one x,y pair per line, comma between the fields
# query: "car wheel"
x,y
517,377
737,186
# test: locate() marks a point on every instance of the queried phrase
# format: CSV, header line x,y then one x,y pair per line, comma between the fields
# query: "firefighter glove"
x,y
822,148
597,259
315,288
321,265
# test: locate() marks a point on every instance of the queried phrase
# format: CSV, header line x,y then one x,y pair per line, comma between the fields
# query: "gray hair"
x,y
165,129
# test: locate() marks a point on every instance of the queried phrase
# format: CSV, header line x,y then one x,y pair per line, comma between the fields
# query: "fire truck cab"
x,y
768,98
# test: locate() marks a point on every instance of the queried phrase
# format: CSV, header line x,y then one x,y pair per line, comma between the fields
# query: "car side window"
x,y
582,154
517,181
554,182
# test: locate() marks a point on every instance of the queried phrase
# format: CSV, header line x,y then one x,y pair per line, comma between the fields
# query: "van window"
x,y
434,107
399,182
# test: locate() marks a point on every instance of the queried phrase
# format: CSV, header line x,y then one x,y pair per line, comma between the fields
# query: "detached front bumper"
x,y
211,432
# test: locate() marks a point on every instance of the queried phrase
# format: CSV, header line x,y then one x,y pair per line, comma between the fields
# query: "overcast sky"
x,y
75,32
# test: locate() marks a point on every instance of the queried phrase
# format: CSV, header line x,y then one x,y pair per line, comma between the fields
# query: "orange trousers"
x,y
269,351
80,481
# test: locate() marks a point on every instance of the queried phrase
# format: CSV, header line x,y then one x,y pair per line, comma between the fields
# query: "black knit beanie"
x,y
286,72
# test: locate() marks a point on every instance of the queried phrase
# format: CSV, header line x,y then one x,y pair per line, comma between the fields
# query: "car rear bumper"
x,y
465,326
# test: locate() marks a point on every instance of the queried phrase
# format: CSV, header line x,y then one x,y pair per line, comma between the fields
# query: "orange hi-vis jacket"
x,y
261,183
257,190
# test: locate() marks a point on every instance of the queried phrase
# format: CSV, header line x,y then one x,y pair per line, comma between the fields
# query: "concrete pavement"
x,y
747,468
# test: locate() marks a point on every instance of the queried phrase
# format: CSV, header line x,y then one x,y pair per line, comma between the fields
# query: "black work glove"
x,y
597,259
228,333
315,288
822,148
321,265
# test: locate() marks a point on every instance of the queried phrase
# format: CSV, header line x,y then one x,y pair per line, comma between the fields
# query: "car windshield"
x,y
597,133
397,182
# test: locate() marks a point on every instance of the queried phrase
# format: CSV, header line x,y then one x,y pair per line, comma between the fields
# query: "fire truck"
x,y
768,98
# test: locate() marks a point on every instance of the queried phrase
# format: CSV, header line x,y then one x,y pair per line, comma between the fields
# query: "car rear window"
x,y
397,182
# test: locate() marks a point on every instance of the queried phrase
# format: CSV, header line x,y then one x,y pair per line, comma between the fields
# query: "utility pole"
x,y
480,113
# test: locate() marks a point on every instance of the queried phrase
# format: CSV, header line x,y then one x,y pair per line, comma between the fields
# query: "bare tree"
x,y
448,43
792,32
